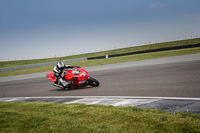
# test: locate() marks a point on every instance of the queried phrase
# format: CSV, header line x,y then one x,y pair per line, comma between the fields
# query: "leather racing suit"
x,y
60,80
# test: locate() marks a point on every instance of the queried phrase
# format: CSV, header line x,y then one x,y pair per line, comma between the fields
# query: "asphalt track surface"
x,y
176,79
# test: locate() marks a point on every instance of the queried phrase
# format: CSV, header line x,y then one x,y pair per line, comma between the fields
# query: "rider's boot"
x,y
65,83
68,85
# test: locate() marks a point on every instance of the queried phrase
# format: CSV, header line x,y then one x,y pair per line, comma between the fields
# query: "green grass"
x,y
107,61
55,117
110,52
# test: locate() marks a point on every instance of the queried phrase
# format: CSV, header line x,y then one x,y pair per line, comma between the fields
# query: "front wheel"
x,y
93,82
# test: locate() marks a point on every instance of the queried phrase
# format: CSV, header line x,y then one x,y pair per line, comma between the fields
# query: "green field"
x,y
55,117
105,61
110,52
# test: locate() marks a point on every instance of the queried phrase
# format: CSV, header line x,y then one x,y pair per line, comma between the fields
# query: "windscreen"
x,y
76,71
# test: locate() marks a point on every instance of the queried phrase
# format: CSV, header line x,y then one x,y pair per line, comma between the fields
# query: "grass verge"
x,y
108,61
55,117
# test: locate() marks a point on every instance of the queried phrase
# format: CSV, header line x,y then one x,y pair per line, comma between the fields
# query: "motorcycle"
x,y
79,76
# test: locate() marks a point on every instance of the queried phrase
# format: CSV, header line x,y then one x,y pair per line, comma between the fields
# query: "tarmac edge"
x,y
171,104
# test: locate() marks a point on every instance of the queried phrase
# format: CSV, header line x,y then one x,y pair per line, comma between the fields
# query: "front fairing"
x,y
50,76
79,73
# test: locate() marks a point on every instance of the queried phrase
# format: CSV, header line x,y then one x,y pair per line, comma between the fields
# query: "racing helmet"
x,y
60,65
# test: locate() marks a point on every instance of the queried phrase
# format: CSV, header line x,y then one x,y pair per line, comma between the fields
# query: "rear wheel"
x,y
93,82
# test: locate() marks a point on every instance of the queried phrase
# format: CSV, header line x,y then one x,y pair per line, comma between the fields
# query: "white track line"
x,y
135,102
109,97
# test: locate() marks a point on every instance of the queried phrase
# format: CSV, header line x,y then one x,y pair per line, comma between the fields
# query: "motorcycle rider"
x,y
58,73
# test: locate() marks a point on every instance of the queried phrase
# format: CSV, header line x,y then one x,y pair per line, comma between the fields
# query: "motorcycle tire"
x,y
93,82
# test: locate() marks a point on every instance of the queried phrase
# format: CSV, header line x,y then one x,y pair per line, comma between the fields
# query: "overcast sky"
x,y
45,28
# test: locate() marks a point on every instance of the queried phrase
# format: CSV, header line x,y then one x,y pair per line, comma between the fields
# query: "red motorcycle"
x,y
79,75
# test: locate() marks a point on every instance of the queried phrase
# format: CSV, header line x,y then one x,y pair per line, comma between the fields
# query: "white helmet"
x,y
60,65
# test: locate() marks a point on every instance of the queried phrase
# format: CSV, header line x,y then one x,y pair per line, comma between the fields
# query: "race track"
x,y
179,79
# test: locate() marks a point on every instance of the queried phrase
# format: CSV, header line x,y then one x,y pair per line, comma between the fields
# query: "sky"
x,y
33,29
